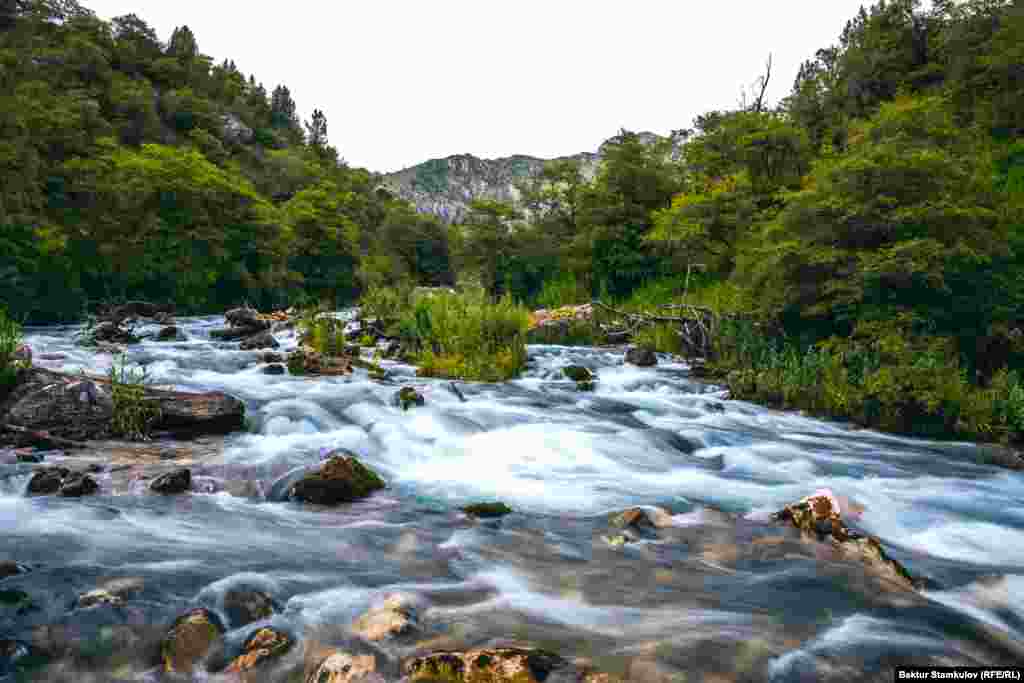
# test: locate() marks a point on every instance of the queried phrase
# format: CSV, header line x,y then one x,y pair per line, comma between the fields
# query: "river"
x,y
721,594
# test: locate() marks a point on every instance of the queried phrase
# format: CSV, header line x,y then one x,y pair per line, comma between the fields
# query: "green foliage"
x,y
134,414
457,336
10,340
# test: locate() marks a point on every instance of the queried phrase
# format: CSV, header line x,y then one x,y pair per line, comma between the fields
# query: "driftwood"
x,y
696,326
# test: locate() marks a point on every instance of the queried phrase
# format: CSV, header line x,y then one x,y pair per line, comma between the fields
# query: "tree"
x,y
183,44
488,242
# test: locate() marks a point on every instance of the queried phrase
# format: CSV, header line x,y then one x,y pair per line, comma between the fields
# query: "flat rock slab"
x,y
77,408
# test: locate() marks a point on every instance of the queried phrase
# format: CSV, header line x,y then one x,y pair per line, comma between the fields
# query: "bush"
x,y
134,414
458,336
10,340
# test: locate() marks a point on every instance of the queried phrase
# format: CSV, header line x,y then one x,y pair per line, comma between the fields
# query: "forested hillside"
x,y
137,168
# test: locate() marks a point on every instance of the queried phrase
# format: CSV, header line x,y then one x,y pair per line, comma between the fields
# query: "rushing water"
x,y
723,592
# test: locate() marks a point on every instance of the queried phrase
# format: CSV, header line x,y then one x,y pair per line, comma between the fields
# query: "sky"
x,y
404,81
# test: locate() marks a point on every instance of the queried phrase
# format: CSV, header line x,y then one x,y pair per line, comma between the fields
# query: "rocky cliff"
x,y
445,187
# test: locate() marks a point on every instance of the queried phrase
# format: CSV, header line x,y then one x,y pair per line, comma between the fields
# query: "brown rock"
x,y
640,518
395,617
261,647
490,665
169,333
191,638
341,479
342,667
11,568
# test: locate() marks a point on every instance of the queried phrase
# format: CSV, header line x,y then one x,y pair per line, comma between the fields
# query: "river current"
x,y
722,594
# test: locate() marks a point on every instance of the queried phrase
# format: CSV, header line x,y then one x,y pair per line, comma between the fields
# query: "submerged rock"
x,y
819,516
192,637
642,519
395,617
261,647
244,606
271,357
497,509
578,373
275,369
113,593
177,481
641,357
341,479
342,667
493,665
169,333
406,397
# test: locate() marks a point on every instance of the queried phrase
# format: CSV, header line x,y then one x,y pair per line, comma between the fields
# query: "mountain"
x,y
445,187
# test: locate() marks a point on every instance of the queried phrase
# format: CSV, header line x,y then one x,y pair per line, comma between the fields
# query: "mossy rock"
x,y
487,510
341,479
191,638
578,373
264,645
407,397
486,665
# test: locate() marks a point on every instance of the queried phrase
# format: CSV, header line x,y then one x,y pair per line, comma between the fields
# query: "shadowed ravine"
x,y
722,594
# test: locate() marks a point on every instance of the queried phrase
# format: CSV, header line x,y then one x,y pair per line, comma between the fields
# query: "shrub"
x,y
134,414
10,339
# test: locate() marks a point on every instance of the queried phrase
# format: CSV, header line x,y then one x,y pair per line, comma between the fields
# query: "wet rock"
x,y
191,638
233,333
263,340
78,484
275,369
498,509
11,568
177,481
341,479
33,458
261,647
407,397
342,667
642,519
47,480
169,333
820,516
578,373
493,665
395,617
641,357
12,653
271,357
114,593
112,332
306,361
163,318
246,317
244,606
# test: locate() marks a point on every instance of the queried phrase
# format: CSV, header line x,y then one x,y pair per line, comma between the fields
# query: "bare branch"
x,y
763,81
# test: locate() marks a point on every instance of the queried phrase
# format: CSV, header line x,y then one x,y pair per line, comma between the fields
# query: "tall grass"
x,y
466,336
134,414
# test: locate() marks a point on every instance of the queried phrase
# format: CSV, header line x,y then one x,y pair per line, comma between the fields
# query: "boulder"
x,y
261,647
263,340
169,333
340,479
271,357
395,617
46,480
306,361
406,397
248,318
342,667
641,357
487,510
233,333
578,373
192,637
493,665
113,593
244,606
275,369
819,516
78,484
177,481
110,331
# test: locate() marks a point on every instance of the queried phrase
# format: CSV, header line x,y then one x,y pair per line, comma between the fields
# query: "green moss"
x,y
497,509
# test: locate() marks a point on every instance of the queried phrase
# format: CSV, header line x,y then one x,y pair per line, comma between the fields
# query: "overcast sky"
x,y
403,81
